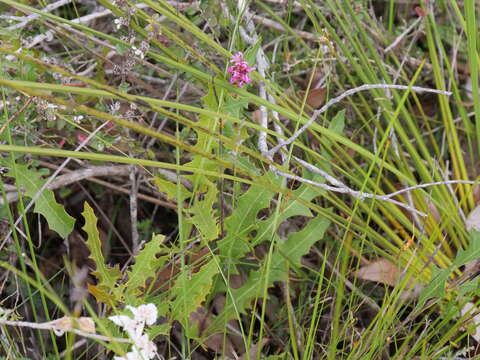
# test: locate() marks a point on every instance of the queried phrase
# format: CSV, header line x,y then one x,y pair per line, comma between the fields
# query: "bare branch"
x,y
54,326
46,9
340,187
346,190
339,98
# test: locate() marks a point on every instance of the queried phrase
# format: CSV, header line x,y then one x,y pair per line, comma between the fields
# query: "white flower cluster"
x,y
119,22
138,52
142,348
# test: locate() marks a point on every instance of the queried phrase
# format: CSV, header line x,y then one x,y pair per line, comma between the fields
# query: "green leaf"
x,y
338,122
145,267
244,218
472,252
251,53
170,189
299,243
289,252
205,142
46,205
337,125
107,276
242,162
436,287
203,215
155,330
289,207
470,287
235,106
210,99
191,290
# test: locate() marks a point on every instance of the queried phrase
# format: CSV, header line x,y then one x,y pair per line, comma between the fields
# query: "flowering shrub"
x,y
142,348
239,70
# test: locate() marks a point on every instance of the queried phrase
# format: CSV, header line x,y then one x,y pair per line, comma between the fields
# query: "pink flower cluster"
x,y
239,70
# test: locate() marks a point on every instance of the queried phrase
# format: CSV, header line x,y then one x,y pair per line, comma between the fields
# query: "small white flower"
x,y
131,326
114,107
118,23
143,348
134,355
121,320
138,52
48,36
78,119
147,347
128,356
145,313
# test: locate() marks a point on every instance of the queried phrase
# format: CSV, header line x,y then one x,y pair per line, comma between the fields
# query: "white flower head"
x,y
118,23
142,348
138,52
114,107
147,352
131,326
135,355
121,320
132,355
147,348
78,119
145,313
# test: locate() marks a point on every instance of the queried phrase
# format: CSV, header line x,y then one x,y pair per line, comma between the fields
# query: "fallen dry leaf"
x,y
385,272
382,271
316,97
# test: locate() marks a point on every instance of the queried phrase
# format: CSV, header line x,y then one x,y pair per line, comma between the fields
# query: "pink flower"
x,y
420,12
238,57
239,70
81,138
